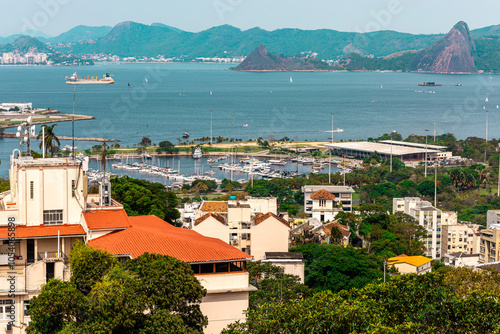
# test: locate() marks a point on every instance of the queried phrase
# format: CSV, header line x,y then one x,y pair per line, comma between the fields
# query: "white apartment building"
x,y
492,218
49,206
427,216
324,202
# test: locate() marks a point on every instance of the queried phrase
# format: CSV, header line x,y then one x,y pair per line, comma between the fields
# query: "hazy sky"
x,y
415,16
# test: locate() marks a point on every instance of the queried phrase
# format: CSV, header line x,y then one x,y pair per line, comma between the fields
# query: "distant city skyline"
x,y
54,17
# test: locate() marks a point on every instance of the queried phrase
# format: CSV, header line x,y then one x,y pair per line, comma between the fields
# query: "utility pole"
x,y
211,127
330,158
486,133
435,186
73,123
393,131
425,168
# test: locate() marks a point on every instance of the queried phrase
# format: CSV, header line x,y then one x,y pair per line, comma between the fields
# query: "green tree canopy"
x,y
150,294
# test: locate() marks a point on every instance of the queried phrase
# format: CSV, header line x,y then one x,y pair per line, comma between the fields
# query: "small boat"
x,y
245,125
210,172
146,156
197,153
185,135
429,83
486,99
458,84
291,80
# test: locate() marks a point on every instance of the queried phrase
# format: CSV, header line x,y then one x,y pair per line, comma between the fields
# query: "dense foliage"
x,y
431,303
336,268
149,294
273,285
141,197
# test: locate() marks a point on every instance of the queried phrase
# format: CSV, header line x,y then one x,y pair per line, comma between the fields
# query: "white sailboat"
x,y
486,99
291,80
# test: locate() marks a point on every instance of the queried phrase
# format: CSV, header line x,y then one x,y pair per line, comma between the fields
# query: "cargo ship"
x,y
429,83
75,80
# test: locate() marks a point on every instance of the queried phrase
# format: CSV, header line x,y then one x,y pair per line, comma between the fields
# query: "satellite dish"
x,y
25,139
18,134
29,119
19,128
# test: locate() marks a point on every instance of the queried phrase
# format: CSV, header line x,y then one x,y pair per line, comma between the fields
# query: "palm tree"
x,y
50,139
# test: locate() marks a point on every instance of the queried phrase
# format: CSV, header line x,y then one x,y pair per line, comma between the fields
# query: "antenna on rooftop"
x,y
24,132
73,123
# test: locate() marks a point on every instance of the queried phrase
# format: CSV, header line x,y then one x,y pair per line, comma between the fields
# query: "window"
x,y
322,202
52,217
5,306
32,189
72,188
26,308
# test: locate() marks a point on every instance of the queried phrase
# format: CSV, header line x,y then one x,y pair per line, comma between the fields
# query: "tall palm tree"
x,y
50,139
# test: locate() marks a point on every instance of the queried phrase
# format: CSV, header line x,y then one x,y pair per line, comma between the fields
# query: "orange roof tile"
x,y
322,194
345,230
210,214
109,219
23,232
211,206
153,235
259,218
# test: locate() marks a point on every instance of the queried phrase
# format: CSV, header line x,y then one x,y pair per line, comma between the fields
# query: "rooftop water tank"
x,y
232,197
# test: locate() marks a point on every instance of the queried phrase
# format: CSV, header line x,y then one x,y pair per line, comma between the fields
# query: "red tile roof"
x,y
210,214
260,217
23,232
109,219
153,235
346,233
214,206
322,194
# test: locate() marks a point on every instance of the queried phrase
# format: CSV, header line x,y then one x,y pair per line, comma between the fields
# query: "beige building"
x,y
49,210
291,262
324,202
462,238
492,218
431,218
489,244
411,264
236,224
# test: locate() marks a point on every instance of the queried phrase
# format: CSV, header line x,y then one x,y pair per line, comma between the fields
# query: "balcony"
x,y
51,256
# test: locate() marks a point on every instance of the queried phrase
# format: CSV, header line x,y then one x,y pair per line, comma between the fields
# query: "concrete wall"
x,y
239,214
271,235
223,309
213,228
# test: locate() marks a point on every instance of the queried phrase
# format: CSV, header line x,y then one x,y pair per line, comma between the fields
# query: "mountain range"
x,y
128,39
450,54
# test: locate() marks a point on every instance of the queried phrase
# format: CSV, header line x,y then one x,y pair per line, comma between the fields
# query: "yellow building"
x,y
410,264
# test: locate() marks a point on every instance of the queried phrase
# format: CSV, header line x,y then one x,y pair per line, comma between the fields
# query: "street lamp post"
x,y
425,168
211,127
393,131
330,158
486,138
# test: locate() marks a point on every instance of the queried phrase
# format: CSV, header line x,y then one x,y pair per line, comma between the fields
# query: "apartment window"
x,y
482,250
72,188
322,202
460,239
309,202
26,308
449,239
5,306
32,189
52,217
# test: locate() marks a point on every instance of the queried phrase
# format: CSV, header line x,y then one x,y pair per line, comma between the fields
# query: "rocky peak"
x,y
452,54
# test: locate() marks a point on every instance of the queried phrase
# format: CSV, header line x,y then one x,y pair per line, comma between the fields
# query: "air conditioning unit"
x,y
8,327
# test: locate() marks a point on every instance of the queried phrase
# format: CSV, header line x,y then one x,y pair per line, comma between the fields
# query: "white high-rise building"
x,y
428,216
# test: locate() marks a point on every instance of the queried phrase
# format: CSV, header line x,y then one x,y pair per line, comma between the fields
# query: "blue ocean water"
x,y
165,100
